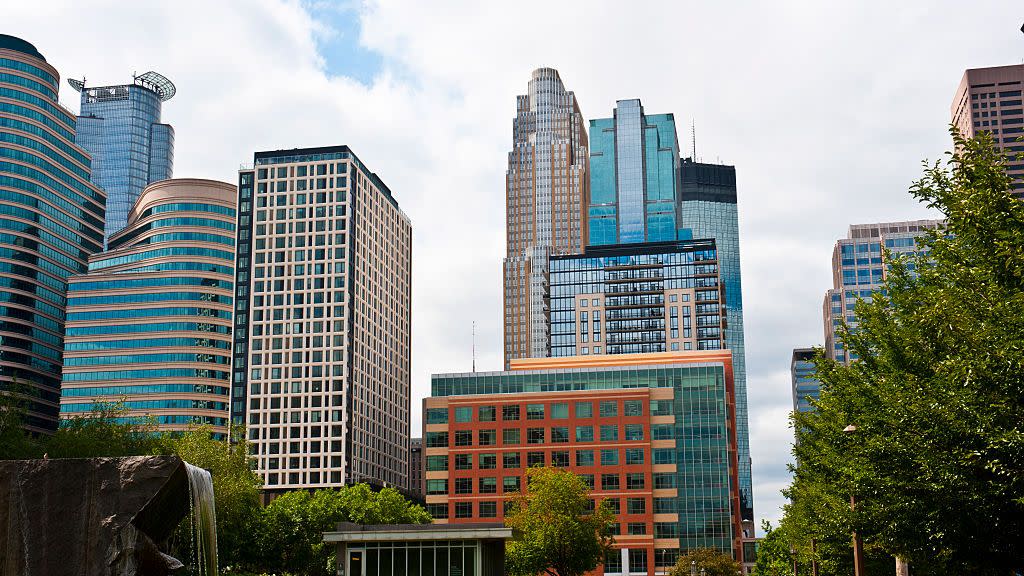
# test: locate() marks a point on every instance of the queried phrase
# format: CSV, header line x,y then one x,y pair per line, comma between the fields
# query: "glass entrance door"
x,y
355,563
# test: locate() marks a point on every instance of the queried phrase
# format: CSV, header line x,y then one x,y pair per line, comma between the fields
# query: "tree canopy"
x,y
559,530
706,561
937,459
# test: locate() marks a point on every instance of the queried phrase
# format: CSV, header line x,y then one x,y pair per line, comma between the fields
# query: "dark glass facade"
x,y
636,298
120,127
708,208
51,219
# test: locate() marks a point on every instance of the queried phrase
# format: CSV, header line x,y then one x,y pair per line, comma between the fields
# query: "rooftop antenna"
x,y
474,345
693,135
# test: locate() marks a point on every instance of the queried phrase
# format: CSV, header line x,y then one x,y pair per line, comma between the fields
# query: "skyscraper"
x,y
708,208
150,323
637,298
858,270
546,187
634,168
805,385
322,321
989,100
120,127
52,220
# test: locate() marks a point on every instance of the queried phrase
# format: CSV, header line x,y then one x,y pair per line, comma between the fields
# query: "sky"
x,y
827,110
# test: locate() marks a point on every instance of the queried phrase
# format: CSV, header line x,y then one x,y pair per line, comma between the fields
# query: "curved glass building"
x,y
149,325
51,220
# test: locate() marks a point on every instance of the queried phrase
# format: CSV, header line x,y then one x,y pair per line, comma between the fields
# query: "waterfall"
x,y
203,520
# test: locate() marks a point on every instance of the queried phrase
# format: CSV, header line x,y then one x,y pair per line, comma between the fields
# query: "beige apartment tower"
x,y
547,190
322,321
989,100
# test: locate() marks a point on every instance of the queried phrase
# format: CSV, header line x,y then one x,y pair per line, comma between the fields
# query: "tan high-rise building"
x,y
547,188
322,321
149,325
989,100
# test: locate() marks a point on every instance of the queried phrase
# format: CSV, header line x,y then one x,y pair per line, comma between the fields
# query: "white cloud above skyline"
x,y
825,109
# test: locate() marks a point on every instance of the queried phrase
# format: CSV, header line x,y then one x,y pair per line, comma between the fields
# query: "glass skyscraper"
x,y
51,220
708,208
150,323
634,169
636,298
805,386
120,127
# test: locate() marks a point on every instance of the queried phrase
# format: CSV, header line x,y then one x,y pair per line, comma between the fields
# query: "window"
x,y
510,436
633,408
560,458
463,485
463,414
667,557
463,509
584,433
559,435
664,480
437,415
584,410
609,457
559,411
463,437
666,530
510,412
584,457
534,411
487,437
489,509
638,560
588,479
436,440
661,431
665,506
510,460
437,463
488,461
661,407
534,459
635,481
437,510
534,435
636,529
489,485
486,413
437,486
634,432
636,505
634,456
613,562
510,484
614,505
463,461
664,455
609,409
609,481
609,433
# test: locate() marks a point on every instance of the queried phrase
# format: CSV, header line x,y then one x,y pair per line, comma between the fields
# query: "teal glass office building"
x,y
51,220
708,208
805,386
120,127
149,325
634,169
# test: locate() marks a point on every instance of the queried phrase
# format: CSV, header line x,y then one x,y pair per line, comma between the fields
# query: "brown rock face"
x,y
90,516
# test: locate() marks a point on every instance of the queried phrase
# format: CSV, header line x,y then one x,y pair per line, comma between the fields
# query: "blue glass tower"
x,y
634,167
51,220
708,208
120,127
805,386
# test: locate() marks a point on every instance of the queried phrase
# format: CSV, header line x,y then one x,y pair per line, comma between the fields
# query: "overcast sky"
x,y
825,108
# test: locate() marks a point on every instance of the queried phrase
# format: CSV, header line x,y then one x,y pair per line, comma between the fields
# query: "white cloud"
x,y
825,109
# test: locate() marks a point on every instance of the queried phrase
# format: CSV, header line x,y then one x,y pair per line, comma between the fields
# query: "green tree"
x,y
15,443
105,431
291,527
557,531
937,396
706,561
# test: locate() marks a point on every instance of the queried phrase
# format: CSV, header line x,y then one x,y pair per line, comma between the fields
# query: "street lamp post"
x,y
858,549
693,568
